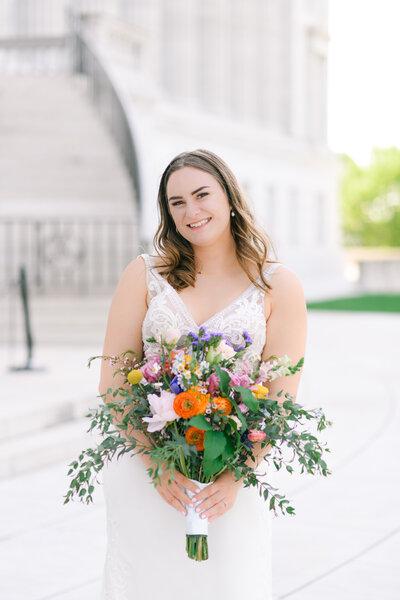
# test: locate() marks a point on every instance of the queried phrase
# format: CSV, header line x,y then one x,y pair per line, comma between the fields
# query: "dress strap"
x,y
155,283
270,269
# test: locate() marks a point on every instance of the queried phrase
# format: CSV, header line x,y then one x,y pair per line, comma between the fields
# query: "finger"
x,y
215,511
209,502
179,493
175,503
206,492
187,483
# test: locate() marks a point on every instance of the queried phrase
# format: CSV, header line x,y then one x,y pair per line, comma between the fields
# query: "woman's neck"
x,y
212,260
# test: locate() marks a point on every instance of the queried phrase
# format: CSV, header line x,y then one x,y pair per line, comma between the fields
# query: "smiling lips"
x,y
198,224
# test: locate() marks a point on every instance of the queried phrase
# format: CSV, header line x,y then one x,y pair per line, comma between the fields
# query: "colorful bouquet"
x,y
203,406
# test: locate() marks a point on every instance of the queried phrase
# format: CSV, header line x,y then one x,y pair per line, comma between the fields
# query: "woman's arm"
x,y
124,331
286,315
124,328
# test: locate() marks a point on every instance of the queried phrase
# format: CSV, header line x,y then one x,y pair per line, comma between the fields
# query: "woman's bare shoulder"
x,y
286,285
158,260
133,279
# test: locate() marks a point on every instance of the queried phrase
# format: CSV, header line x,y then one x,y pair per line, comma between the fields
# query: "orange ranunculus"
x,y
222,404
187,404
204,399
195,437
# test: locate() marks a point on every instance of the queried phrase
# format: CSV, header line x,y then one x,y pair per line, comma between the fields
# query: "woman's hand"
x,y
219,497
172,493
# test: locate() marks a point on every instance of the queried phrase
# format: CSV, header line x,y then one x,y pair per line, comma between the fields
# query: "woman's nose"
x,y
192,209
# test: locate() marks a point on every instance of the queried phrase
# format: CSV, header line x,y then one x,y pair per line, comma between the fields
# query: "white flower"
x,y
171,336
237,421
225,349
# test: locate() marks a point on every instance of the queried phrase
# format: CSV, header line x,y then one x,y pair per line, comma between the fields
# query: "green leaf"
x,y
214,445
200,422
224,380
229,451
210,467
247,397
239,414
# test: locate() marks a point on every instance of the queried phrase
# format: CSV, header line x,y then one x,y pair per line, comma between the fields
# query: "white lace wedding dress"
x,y
146,557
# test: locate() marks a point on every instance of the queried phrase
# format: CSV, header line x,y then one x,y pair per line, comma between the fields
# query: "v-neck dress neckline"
x,y
213,316
166,308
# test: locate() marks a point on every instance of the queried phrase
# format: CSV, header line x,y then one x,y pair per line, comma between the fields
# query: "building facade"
x,y
246,79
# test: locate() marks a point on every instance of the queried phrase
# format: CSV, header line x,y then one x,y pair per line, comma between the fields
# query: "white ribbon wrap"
x,y
195,525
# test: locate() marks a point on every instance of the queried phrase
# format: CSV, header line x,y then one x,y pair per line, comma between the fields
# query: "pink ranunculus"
x,y
243,408
256,436
213,384
152,369
162,408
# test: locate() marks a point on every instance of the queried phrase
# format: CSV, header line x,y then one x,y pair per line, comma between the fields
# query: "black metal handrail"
x,y
79,256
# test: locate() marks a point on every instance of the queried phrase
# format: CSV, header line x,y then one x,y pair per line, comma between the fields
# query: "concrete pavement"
x,y
344,541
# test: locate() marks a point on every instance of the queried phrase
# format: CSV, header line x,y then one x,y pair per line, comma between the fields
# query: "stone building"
x,y
244,78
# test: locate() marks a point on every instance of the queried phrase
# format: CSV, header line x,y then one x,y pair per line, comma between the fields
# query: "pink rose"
x,y
256,436
152,369
243,408
240,379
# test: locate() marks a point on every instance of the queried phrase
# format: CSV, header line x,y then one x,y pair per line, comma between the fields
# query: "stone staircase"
x,y
58,161
57,157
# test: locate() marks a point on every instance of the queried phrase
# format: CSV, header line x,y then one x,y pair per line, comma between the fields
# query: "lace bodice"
x,y
166,308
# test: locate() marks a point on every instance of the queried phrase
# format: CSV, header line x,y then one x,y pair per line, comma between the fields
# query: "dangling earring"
x,y
232,213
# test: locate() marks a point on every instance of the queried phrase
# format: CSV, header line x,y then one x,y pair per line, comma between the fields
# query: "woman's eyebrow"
x,y
194,192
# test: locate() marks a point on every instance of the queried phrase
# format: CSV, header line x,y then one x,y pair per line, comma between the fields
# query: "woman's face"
x,y
198,206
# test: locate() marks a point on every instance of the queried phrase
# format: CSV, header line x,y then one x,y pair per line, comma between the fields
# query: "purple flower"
x,y
247,337
206,337
175,387
245,439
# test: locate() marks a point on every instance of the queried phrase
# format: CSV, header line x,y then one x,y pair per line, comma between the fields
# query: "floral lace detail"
x,y
245,313
116,567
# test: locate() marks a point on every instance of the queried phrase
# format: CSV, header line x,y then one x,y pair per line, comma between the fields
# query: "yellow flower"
x,y
260,392
135,376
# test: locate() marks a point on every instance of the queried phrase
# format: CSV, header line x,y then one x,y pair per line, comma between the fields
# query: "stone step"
x,y
55,320
56,150
28,417
43,448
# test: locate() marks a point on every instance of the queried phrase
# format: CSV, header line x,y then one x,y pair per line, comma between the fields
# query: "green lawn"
x,y
367,302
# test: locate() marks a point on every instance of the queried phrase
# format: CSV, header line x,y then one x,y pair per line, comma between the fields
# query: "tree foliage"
x,y
371,200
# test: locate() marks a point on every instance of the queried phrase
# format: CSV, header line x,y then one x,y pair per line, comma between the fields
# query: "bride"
x,y
212,268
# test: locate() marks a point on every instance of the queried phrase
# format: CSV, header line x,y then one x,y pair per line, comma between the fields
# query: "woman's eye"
x,y
202,194
177,203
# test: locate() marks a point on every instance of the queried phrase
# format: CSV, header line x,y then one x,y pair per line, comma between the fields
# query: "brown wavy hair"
x,y
253,245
